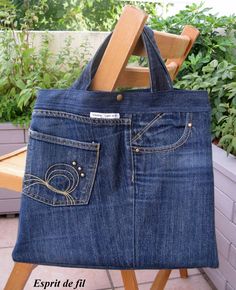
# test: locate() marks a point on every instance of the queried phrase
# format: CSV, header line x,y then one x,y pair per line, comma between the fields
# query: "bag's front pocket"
x,y
163,132
59,171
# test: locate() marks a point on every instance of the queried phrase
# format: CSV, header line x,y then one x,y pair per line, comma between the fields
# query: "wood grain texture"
x,y
19,276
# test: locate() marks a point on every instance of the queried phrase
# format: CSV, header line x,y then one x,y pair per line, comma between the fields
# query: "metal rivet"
x,y
79,168
119,97
82,174
136,150
74,162
189,124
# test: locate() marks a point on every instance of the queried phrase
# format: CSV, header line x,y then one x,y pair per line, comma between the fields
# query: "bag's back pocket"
x,y
59,171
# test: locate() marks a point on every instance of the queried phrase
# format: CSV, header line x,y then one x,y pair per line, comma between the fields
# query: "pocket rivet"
x,y
119,97
79,168
74,162
189,124
136,150
82,174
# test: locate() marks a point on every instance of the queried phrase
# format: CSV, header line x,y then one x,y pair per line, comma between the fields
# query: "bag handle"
x,y
159,75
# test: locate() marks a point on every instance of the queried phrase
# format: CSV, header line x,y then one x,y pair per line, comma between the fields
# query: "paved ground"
x,y
95,279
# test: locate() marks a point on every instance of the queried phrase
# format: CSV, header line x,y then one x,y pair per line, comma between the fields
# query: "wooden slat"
x,y
12,167
160,280
129,279
183,273
123,40
170,45
13,153
192,33
19,276
16,160
12,180
140,76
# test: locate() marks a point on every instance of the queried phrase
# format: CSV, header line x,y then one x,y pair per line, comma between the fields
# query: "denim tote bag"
x,y
119,180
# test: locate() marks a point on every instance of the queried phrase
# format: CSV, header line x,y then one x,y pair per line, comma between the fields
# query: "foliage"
x,y
96,15
211,65
228,125
24,69
217,35
219,79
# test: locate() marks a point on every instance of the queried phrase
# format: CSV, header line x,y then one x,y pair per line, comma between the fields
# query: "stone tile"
x,y
141,275
144,276
94,279
216,277
176,274
191,283
8,231
6,265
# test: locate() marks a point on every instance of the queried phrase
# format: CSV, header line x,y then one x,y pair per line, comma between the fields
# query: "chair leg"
x,y
183,273
160,280
129,279
19,276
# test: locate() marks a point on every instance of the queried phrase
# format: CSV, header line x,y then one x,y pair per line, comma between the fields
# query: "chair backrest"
x,y
113,70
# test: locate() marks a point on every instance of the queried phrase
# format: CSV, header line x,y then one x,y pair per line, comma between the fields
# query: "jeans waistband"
x,y
132,101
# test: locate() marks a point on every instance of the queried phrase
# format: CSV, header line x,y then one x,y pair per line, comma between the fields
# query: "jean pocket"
x,y
165,132
59,171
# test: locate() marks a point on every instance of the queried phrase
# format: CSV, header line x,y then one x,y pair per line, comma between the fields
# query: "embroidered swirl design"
x,y
62,170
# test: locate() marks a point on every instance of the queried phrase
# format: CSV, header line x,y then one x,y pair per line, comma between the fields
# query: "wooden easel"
x,y
112,72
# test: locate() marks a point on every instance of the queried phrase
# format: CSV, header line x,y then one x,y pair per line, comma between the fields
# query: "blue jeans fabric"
x,y
130,192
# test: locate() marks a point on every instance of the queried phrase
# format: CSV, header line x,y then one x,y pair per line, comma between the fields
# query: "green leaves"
x,y
219,79
228,125
23,70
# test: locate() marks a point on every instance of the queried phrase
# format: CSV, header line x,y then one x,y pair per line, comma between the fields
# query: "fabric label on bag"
x,y
104,115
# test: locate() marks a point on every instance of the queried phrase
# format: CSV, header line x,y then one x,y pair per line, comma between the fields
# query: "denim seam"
x,y
63,141
142,131
166,148
34,179
80,118
38,198
89,186
132,156
132,188
165,73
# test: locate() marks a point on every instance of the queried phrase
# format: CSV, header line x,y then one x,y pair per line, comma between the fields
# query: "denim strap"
x,y
159,76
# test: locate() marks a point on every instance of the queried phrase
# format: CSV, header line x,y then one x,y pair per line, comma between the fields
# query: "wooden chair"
x,y
112,72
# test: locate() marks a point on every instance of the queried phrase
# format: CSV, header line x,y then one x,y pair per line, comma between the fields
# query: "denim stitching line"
x,y
132,156
70,200
49,176
180,142
165,73
122,121
63,141
90,185
46,201
140,133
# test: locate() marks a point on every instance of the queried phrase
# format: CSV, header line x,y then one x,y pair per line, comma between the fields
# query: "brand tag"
x,y
104,115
